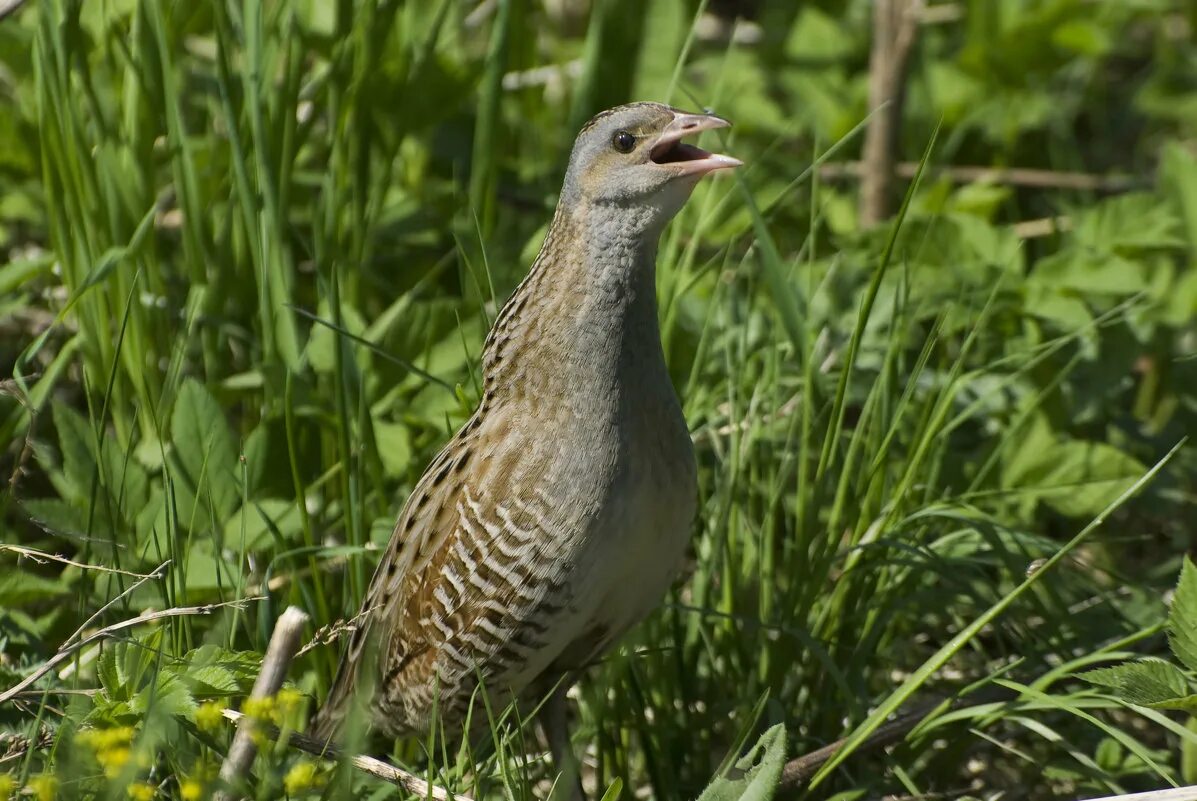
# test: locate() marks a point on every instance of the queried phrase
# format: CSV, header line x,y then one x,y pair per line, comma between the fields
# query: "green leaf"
x,y
614,791
256,450
1151,682
762,771
394,447
56,516
258,517
19,587
205,450
214,671
1182,617
169,696
1074,477
78,458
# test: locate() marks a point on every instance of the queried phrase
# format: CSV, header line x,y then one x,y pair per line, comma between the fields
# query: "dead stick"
x,y
1010,176
799,769
284,642
895,29
145,617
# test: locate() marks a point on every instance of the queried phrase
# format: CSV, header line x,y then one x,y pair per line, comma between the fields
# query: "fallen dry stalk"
x,y
284,642
1011,176
146,617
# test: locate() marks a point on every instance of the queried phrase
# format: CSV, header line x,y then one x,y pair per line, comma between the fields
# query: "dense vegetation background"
x,y
248,254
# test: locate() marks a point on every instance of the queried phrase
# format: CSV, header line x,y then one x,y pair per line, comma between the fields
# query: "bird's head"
x,y
633,157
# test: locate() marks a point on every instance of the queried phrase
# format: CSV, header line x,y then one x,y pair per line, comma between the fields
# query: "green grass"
x,y
252,251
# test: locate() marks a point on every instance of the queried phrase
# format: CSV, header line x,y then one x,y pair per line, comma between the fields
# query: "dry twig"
x,y
66,651
895,30
1010,176
41,557
284,642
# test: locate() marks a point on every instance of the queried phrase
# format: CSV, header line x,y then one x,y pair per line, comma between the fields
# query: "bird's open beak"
x,y
686,159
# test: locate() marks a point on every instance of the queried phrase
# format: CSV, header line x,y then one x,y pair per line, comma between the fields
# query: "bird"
x,y
560,513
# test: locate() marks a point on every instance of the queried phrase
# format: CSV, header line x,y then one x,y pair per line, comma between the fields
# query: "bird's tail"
x,y
326,724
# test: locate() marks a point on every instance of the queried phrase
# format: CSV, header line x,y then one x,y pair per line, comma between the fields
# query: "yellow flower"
x,y
302,776
141,791
289,700
44,786
113,760
190,790
7,783
262,709
209,715
100,739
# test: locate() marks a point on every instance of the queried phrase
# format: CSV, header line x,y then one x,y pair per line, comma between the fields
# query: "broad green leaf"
x,y
1074,477
1182,617
20,587
614,791
168,696
258,517
78,458
394,446
214,671
205,451
762,771
1150,682
256,450
320,351
56,516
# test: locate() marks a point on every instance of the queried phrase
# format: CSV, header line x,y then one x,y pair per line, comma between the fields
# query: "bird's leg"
x,y
554,720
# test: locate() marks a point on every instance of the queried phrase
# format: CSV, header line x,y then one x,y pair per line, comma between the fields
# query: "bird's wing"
x,y
422,526
468,580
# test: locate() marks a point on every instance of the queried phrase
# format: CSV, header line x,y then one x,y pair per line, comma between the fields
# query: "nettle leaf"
x,y
1077,478
762,771
78,459
126,480
19,588
1131,222
256,450
113,679
260,519
60,518
214,671
168,695
394,446
205,450
1182,617
1150,682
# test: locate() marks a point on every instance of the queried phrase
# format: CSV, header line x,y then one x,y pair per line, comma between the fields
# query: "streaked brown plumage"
x,y
556,517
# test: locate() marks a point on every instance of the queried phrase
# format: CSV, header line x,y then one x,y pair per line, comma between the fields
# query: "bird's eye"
x,y
623,142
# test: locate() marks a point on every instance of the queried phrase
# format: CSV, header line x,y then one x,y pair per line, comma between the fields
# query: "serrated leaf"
x,y
256,450
614,791
259,518
74,441
394,446
762,771
214,671
1150,682
1182,617
19,587
58,517
125,480
205,451
169,695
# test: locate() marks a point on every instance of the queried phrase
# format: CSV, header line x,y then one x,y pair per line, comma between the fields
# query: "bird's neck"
x,y
587,309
